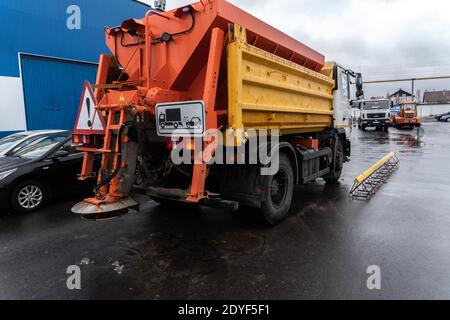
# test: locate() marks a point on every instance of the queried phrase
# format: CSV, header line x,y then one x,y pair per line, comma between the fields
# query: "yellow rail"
x,y
363,177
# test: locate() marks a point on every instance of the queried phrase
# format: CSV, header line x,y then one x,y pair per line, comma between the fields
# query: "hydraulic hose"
x,y
119,165
165,37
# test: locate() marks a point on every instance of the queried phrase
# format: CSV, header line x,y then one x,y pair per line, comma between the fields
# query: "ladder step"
x,y
94,150
114,127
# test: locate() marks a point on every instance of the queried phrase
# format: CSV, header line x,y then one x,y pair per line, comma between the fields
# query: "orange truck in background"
x,y
407,116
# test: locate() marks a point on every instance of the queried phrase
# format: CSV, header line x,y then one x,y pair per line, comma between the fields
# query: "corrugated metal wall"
x,y
425,110
52,90
40,27
43,28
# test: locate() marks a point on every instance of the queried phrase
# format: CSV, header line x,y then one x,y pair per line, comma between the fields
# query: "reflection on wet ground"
x,y
322,250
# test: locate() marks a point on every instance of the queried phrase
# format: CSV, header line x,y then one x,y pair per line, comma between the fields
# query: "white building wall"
x,y
12,106
426,110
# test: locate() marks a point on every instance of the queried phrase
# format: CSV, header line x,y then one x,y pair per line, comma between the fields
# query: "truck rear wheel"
x,y
337,165
278,193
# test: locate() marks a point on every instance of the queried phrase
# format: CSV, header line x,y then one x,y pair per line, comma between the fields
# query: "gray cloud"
x,y
385,39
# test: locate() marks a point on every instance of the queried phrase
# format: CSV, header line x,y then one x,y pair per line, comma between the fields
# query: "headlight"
x,y
5,174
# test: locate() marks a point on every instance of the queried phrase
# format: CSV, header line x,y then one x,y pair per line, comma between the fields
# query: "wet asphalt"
x,y
321,252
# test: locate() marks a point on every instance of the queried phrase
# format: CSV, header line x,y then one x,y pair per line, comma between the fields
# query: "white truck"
x,y
375,113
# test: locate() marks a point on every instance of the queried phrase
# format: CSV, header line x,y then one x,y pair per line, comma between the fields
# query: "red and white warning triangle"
x,y
89,119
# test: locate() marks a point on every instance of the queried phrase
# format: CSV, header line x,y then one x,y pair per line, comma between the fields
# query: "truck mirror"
x,y
359,85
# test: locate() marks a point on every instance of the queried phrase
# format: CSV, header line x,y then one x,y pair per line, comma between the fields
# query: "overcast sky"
x,y
384,39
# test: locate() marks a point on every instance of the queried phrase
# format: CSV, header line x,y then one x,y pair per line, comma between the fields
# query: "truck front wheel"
x,y
278,193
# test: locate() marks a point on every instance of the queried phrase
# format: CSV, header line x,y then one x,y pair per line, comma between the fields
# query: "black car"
x,y
44,169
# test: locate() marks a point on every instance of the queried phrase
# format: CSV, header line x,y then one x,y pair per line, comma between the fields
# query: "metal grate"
x,y
367,184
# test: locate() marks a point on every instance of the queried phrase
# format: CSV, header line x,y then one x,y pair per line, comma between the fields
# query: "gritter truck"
x,y
407,117
226,71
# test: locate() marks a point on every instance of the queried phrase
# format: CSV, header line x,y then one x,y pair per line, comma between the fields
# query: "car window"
x,y
9,141
40,147
24,144
345,84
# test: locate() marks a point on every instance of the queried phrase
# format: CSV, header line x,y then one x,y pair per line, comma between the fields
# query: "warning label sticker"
x,y
181,118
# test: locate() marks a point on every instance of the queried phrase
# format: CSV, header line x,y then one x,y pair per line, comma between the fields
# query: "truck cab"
x,y
375,113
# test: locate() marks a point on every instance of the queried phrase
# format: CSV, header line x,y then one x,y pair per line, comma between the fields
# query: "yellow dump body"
x,y
269,92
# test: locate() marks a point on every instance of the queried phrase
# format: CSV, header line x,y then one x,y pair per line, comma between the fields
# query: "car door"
x,y
39,166
63,172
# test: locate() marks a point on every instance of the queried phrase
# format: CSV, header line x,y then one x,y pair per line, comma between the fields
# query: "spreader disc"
x,y
104,211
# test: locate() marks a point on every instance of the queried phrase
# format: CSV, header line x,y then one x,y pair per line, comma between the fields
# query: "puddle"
x,y
238,242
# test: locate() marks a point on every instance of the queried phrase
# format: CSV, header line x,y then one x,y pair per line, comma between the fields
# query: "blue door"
x,y
52,91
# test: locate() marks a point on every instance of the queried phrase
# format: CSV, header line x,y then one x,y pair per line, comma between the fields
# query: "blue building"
x,y
49,48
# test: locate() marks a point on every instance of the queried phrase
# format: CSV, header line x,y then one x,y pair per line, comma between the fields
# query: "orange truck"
x,y
213,71
407,116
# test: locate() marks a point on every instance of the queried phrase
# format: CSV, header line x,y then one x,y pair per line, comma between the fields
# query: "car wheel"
x,y
28,196
448,120
279,192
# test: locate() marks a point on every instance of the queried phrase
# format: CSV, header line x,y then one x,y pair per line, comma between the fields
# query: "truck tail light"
x,y
169,144
81,139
